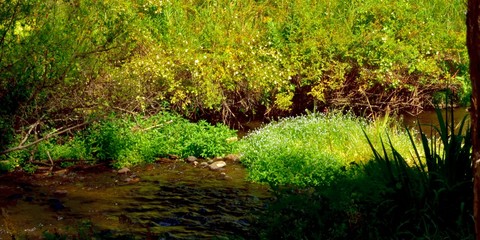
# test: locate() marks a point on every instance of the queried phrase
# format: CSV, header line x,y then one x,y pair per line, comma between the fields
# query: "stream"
x,y
170,199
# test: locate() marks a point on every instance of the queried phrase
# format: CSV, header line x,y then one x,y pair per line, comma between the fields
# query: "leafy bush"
x,y
309,150
223,59
108,139
142,139
215,54
73,149
134,140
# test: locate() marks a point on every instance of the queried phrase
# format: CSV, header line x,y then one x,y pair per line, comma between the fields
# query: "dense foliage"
x,y
69,63
130,141
66,61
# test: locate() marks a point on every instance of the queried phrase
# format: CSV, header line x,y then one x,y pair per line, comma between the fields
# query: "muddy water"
x,y
427,119
170,200
430,117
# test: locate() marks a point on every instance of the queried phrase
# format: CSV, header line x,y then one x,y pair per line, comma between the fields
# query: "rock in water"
x,y
60,193
123,170
217,165
191,159
233,157
55,204
132,180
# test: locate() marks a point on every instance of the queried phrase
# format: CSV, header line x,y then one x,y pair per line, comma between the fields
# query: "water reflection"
x,y
172,199
429,118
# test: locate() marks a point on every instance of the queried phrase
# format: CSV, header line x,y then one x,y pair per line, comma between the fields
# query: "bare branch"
x,y
156,126
52,134
29,132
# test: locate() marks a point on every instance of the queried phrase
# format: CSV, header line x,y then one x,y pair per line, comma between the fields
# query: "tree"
x,y
52,56
473,45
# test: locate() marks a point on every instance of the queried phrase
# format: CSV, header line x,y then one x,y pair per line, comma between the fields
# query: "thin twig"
x,y
52,134
124,110
155,126
29,132
51,161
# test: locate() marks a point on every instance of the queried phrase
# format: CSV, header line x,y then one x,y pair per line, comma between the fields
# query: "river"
x,y
169,199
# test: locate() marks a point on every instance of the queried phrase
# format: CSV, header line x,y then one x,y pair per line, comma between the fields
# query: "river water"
x,y
165,200
429,117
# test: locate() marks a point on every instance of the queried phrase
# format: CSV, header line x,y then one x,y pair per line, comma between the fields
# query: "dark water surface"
x,y
169,200
429,118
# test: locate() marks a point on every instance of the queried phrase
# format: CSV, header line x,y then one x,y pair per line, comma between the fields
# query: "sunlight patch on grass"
x,y
312,149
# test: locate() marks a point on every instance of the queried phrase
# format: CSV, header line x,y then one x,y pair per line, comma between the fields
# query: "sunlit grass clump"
x,y
310,150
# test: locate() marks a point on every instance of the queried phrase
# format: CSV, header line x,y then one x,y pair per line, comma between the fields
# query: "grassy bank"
x,y
334,176
340,177
311,150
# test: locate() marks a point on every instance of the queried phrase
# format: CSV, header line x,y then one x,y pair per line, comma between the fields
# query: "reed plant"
x,y
434,196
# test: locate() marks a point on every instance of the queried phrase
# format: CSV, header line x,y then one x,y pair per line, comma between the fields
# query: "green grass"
x,y
310,150
138,140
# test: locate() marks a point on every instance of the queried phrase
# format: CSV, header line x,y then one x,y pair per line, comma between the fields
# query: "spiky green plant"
x,y
433,196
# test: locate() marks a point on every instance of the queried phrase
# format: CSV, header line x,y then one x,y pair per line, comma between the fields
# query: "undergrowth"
x,y
131,141
65,61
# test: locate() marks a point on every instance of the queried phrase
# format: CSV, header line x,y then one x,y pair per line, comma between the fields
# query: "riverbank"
x,y
225,61
305,160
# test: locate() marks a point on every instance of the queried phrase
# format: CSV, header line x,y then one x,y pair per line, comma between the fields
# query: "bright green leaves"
x,y
140,140
309,150
222,57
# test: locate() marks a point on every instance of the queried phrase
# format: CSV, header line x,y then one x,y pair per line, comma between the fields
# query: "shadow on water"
x,y
173,200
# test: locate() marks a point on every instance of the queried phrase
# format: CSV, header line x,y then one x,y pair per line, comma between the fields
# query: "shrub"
x,y
107,139
223,59
253,57
126,141
143,139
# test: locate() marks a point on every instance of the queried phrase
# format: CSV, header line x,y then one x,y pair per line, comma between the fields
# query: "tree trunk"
x,y
473,45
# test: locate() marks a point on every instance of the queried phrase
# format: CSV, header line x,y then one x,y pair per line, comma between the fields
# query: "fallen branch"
x,y
156,126
52,134
29,132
